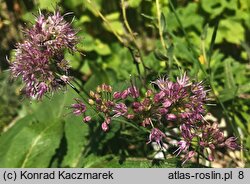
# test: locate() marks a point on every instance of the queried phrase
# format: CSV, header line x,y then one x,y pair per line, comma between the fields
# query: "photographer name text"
x,y
61,175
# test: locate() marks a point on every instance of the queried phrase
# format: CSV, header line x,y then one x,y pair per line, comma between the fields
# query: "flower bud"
x,y
92,94
105,127
91,102
117,95
87,119
130,116
149,93
110,89
171,117
98,89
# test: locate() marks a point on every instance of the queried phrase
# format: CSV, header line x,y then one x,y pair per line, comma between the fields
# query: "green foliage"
x,y
36,136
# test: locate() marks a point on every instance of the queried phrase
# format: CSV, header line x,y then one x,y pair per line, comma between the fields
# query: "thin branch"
x,y
133,38
106,21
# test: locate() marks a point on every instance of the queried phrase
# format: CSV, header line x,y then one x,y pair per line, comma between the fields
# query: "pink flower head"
x,y
171,117
117,95
133,91
188,156
79,107
159,96
231,143
40,56
120,109
156,136
124,94
105,124
162,83
42,88
167,103
183,146
183,80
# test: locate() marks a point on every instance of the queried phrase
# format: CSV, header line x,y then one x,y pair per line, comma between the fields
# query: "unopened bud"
x,y
97,96
117,95
130,116
110,89
171,117
91,102
98,89
87,119
149,93
104,87
92,94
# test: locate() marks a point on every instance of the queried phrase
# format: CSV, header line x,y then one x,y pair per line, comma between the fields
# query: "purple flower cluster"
x,y
108,102
39,58
79,108
165,105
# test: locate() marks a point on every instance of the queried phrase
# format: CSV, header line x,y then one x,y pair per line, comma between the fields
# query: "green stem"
x,y
106,21
159,23
136,61
187,39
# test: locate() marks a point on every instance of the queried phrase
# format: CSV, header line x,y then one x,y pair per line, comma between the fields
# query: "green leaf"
x,y
240,124
189,16
230,30
87,44
243,89
33,140
113,16
116,25
163,23
230,89
214,8
160,56
76,134
229,78
134,3
49,5
93,81
84,19
93,160
102,48
72,4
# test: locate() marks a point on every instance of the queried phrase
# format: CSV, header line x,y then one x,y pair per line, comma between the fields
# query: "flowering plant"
x,y
165,106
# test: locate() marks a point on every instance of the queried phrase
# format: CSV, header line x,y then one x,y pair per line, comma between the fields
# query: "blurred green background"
x,y
208,39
